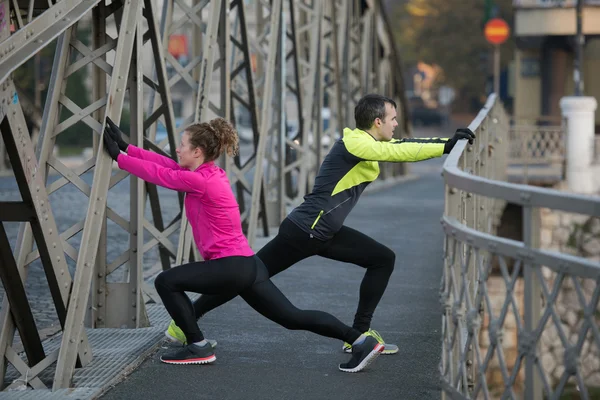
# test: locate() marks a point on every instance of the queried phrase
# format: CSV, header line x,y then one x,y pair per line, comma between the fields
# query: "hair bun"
x,y
214,137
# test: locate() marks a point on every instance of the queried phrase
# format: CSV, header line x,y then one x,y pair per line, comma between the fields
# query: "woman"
x,y
230,265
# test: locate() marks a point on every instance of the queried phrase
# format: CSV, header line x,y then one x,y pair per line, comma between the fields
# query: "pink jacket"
x,y
210,205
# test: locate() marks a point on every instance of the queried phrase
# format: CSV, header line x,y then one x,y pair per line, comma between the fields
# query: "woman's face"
x,y
189,157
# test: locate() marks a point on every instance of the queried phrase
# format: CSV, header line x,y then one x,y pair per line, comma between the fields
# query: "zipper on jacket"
x,y
321,213
316,220
338,205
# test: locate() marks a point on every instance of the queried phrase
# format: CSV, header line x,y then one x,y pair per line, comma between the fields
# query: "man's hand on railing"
x,y
461,133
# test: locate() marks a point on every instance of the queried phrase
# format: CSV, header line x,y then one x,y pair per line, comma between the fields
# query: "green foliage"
x,y
79,134
571,392
450,34
572,240
588,225
125,124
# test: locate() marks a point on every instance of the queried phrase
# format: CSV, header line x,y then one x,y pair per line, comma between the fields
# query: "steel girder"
x,y
283,62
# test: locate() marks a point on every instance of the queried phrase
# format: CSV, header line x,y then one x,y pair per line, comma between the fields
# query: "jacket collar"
x,y
205,165
356,132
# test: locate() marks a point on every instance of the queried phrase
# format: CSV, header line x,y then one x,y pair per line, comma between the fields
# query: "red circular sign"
x,y
496,31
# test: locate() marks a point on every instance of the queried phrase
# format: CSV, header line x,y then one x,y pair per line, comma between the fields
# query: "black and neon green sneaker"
x,y
175,334
388,349
191,354
363,354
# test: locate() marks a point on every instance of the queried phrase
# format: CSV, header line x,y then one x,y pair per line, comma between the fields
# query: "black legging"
x,y
292,245
248,277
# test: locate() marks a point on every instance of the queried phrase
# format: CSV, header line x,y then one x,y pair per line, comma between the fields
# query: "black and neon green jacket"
x,y
350,166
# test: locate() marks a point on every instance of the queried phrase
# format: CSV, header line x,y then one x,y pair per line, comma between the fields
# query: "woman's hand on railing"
x,y
115,133
461,133
110,145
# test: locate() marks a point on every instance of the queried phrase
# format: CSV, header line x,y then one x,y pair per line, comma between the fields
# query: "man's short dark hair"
x,y
370,107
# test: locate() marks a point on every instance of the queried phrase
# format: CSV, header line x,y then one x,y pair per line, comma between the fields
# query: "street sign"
x,y
496,31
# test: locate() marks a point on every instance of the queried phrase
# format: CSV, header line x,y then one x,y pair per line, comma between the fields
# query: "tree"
x,y
25,81
79,135
450,34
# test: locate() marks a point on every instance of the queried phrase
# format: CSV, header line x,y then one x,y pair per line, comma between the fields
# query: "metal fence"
x,y
536,150
540,140
530,288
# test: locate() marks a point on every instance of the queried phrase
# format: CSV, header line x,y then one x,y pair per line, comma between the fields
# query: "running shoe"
x,y
388,349
363,354
175,334
191,354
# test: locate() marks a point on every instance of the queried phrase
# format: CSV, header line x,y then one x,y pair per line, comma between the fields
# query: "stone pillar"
x,y
579,113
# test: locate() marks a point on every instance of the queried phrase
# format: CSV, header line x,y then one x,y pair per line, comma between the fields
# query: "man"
x,y
316,227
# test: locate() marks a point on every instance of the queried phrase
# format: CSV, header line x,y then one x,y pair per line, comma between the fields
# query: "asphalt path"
x,y
257,359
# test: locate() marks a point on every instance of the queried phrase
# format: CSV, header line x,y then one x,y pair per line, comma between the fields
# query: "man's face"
x,y
385,127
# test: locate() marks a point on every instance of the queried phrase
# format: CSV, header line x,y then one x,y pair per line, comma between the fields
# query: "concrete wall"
x,y
555,21
573,234
578,235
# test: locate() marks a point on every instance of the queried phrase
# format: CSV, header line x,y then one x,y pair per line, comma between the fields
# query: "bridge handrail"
x,y
515,193
476,192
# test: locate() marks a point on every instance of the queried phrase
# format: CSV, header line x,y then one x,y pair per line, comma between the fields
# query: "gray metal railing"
x,y
552,3
496,326
536,150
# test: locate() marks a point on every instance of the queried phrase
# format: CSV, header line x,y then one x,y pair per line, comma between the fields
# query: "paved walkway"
x,y
257,359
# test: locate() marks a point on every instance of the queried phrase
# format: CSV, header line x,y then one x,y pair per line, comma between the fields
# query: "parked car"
x,y
422,115
427,116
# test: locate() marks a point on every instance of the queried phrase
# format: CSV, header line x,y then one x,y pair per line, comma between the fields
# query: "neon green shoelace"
x,y
376,335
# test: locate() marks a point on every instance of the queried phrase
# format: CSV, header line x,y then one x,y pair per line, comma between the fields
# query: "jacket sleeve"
x,y
181,180
151,156
396,150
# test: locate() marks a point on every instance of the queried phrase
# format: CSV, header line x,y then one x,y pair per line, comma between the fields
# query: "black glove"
x,y
111,147
116,134
461,133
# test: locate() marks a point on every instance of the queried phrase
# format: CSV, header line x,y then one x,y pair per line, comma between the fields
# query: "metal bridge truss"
x,y
275,59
